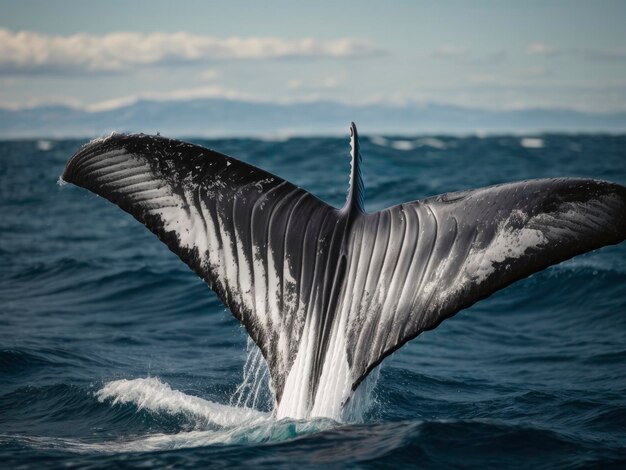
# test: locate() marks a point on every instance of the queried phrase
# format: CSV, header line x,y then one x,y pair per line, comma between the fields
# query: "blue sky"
x,y
489,54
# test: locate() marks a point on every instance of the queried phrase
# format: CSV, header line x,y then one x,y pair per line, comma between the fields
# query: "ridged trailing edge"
x,y
327,294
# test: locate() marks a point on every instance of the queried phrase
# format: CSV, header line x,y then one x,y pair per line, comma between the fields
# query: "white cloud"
x,y
540,48
31,52
616,54
212,91
294,84
209,75
181,94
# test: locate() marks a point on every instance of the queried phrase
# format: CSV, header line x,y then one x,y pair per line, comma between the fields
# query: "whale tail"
x,y
327,294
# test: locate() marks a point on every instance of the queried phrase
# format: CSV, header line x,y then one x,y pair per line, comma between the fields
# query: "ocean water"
x,y
113,353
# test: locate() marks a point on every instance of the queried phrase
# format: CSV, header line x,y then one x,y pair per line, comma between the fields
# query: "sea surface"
x,y
114,354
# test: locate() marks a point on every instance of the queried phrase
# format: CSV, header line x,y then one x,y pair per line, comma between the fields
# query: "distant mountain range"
x,y
222,117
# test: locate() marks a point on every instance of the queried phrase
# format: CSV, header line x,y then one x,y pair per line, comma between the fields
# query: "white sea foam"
x,y
44,145
263,432
531,143
215,423
153,395
378,140
431,142
406,145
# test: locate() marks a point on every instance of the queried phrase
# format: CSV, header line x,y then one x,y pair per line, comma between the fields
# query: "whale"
x,y
328,293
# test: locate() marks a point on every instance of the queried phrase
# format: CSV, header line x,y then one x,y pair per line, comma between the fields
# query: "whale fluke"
x,y
328,293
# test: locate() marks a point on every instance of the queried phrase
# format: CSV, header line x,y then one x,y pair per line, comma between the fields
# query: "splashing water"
x,y
153,395
242,421
212,423
254,390
532,376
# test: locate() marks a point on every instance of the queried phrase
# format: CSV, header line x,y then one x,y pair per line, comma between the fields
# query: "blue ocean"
x,y
114,354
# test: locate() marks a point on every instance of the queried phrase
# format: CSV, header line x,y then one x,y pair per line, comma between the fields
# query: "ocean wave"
x,y
212,423
92,305
14,361
423,442
153,395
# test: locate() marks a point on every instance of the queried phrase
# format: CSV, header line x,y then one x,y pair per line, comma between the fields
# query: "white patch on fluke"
x,y
508,243
335,381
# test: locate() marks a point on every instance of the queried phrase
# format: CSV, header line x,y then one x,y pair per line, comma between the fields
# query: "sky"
x,y
487,54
